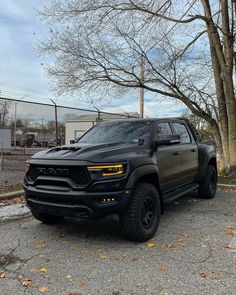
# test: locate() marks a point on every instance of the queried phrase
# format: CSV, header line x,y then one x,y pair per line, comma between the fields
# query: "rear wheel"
x,y
208,185
142,216
46,218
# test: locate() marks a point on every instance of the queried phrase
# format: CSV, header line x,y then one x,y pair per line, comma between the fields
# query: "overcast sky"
x,y
23,75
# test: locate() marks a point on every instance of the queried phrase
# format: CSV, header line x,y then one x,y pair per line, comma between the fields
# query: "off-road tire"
x,y
208,184
133,222
46,218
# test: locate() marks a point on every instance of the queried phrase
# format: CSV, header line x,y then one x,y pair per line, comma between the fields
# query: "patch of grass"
x,y
227,180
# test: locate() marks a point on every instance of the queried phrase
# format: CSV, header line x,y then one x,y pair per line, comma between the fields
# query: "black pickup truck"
x,y
126,167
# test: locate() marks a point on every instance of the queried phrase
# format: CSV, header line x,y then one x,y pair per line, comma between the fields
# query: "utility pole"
x,y
15,126
141,94
42,137
15,120
99,115
56,123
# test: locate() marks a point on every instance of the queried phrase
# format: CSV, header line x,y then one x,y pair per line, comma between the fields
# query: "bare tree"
x,y
4,111
187,49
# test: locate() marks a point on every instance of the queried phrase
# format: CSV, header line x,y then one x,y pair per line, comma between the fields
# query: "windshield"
x,y
110,132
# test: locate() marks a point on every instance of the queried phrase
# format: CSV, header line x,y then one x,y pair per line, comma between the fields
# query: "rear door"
x,y
168,159
189,152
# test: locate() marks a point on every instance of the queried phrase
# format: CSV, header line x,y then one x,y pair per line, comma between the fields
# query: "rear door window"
x,y
163,130
181,130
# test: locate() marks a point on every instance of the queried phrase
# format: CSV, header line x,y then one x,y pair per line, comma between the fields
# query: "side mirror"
x,y
168,140
72,141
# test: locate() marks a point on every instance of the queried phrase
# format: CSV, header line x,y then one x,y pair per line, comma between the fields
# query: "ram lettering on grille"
x,y
53,171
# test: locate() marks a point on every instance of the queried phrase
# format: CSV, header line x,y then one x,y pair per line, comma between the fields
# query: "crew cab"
x,y
126,167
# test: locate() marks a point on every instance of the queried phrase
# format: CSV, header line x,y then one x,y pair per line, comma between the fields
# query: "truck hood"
x,y
108,152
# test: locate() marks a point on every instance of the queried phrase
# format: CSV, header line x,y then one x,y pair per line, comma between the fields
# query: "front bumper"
x,y
72,203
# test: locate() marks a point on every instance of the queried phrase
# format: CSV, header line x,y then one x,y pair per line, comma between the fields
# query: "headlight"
x,y
108,170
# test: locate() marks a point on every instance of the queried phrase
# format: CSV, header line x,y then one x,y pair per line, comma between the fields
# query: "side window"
x,y
163,130
182,131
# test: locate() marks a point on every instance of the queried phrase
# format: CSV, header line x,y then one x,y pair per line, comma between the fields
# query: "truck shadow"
x,y
108,228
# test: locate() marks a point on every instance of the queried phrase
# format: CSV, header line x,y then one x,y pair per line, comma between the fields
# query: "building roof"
x,y
104,116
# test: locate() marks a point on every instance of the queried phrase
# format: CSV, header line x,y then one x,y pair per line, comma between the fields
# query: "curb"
x,y
13,212
221,185
11,195
15,217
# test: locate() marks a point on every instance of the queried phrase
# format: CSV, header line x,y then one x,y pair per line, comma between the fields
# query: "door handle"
x,y
193,150
176,153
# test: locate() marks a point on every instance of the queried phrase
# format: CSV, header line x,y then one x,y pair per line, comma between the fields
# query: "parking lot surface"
x,y
193,252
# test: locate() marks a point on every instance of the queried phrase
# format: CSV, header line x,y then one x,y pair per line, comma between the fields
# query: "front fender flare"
x,y
139,172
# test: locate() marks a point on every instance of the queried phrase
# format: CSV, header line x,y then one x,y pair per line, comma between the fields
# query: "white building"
x,y
76,127
5,138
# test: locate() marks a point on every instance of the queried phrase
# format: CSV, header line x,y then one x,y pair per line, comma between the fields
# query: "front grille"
x,y
78,174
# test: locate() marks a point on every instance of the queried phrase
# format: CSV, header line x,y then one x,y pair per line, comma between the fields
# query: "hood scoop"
x,y
66,148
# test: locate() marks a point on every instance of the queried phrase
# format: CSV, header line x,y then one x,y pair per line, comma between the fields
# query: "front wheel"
x,y
141,218
208,184
46,218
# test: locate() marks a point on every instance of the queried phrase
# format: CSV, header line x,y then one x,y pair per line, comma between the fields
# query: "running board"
x,y
180,192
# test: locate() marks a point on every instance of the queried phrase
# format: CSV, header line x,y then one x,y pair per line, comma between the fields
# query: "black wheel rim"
x,y
148,212
212,182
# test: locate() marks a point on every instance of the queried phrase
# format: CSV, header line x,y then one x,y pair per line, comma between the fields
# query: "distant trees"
x,y
4,112
187,48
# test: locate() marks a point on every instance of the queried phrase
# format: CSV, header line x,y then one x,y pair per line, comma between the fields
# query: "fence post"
x,y
2,157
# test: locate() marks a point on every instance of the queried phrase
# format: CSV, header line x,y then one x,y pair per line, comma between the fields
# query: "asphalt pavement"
x,y
193,252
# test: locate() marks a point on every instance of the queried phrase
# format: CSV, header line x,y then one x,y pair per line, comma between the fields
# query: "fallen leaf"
x,y
103,257
206,238
134,259
69,277
43,289
229,227
215,276
41,244
151,245
203,274
231,232
26,282
185,234
43,269
81,284
2,275
164,268
171,246
181,242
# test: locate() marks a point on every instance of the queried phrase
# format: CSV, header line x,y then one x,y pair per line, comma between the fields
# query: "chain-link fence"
x,y
27,127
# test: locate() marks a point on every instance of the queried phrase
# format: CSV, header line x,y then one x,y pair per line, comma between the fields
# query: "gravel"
x,y
11,178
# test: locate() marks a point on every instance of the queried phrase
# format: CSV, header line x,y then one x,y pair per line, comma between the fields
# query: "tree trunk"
x,y
222,62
